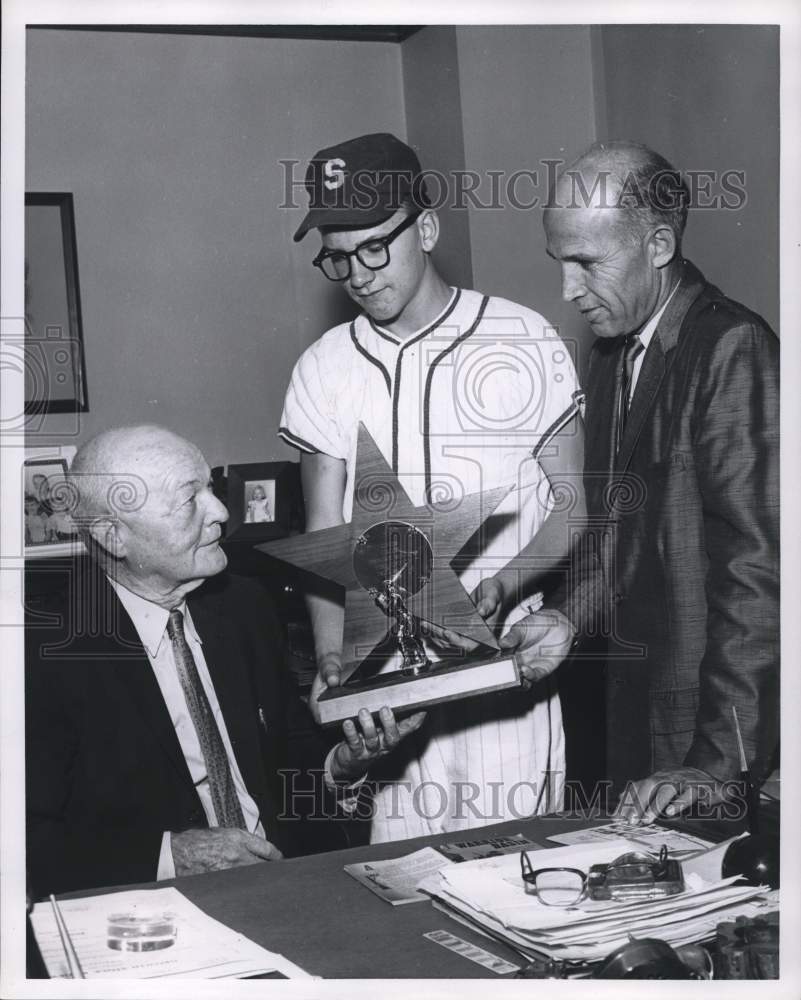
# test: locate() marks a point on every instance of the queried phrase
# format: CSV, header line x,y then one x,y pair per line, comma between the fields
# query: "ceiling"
x,y
332,32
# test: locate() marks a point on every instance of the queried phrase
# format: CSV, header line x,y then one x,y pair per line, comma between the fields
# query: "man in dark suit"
x,y
679,566
155,705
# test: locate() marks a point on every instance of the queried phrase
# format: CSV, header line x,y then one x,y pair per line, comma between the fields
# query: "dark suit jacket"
x,y
105,772
680,564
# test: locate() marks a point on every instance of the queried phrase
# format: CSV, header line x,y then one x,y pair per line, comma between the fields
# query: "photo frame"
x,y
55,376
262,500
48,529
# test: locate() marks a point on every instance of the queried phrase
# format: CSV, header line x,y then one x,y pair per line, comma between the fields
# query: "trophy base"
x,y
447,680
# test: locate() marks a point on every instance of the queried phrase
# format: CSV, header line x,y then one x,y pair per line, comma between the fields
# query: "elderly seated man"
x,y
155,705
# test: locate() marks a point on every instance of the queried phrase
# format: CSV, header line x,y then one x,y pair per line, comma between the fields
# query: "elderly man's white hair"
x,y
110,472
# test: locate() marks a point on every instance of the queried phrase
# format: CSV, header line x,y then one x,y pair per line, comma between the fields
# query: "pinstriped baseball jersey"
x,y
455,408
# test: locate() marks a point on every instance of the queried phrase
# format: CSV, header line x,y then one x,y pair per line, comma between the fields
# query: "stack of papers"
x,y
489,896
203,947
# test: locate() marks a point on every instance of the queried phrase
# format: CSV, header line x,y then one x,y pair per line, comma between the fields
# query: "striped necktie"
x,y
221,782
632,350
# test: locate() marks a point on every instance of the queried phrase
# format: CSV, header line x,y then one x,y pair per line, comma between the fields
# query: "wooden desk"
x,y
309,910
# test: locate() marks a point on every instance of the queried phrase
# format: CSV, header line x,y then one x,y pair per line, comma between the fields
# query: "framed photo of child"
x,y
49,529
263,500
260,501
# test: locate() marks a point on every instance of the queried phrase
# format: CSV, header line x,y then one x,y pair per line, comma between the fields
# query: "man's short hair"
x,y
102,477
647,188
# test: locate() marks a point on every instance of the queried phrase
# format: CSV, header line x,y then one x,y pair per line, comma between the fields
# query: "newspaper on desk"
x,y
396,880
203,947
648,836
489,896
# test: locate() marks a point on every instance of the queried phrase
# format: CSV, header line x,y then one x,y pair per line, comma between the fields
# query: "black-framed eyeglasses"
x,y
553,886
372,254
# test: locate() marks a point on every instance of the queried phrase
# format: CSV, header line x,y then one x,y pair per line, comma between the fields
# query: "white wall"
x,y
196,303
706,97
527,96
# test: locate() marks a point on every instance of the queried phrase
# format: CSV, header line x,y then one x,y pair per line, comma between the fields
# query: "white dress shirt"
x,y
150,622
646,335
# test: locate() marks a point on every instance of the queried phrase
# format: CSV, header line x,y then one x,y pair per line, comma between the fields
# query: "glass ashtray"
x,y
140,932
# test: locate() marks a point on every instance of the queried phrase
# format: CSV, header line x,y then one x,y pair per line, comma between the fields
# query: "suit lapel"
x,y
653,370
657,361
229,672
136,674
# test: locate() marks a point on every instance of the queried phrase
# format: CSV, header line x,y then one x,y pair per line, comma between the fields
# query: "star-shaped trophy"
x,y
402,595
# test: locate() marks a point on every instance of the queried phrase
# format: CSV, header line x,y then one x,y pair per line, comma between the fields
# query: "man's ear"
x,y
428,227
662,246
109,534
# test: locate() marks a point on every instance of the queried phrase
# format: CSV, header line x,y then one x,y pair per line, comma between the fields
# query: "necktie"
x,y
632,350
221,782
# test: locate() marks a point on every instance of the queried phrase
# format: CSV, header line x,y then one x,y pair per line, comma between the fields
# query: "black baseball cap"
x,y
361,183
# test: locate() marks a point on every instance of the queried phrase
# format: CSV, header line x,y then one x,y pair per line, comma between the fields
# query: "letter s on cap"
x,y
334,173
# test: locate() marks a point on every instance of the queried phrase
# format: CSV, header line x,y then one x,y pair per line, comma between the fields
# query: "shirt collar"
x,y
428,328
649,329
149,619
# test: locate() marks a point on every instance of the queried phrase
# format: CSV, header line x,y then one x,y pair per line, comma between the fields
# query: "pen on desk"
x,y
750,793
73,964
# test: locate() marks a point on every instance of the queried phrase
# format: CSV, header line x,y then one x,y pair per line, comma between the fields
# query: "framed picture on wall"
x,y
55,377
47,504
262,500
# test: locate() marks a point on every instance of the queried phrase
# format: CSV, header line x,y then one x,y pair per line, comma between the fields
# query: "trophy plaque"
x,y
402,595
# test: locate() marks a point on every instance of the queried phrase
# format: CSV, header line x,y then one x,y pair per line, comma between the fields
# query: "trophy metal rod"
x,y
407,626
